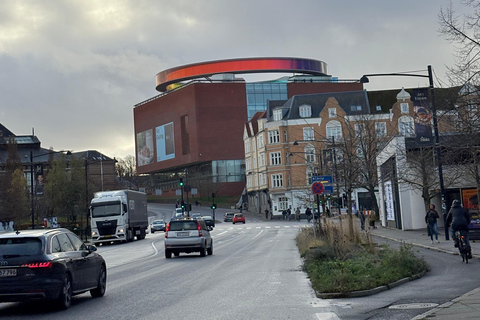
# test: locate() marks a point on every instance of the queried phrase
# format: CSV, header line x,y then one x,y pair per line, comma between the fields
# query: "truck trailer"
x,y
118,216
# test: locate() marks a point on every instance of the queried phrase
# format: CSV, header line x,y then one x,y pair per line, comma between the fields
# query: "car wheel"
x,y
168,254
203,251
153,231
176,254
99,291
210,250
64,300
243,222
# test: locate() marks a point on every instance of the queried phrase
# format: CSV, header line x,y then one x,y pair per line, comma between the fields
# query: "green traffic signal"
x,y
181,182
214,206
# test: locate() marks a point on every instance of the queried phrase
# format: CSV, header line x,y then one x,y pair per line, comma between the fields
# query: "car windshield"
x,y
183,225
19,247
106,210
158,222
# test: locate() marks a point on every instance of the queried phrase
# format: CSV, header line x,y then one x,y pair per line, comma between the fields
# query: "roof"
x,y
93,155
317,102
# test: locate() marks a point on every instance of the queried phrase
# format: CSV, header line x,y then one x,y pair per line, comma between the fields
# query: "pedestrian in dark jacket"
x,y
431,218
458,219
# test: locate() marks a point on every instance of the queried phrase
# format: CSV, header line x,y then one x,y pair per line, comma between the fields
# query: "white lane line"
x,y
327,316
257,234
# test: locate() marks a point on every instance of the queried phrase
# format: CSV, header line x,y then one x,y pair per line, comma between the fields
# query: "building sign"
x,y
470,202
145,147
389,201
165,142
423,116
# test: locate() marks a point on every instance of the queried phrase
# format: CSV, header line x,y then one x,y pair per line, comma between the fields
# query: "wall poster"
x,y
165,142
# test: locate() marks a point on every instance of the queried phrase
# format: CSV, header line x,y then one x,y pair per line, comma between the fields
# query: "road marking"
x,y
327,316
257,234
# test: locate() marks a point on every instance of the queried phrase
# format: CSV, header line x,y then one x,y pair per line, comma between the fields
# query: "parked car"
x,y
228,216
158,225
51,264
238,217
187,235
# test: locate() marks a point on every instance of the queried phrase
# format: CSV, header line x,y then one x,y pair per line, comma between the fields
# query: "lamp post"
x,y
364,79
32,194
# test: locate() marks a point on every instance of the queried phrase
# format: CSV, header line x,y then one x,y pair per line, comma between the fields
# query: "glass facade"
x,y
259,93
228,170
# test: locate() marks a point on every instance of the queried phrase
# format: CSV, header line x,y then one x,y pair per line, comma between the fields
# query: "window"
x,y
283,203
65,243
360,151
308,133
277,180
356,108
334,129
247,146
359,129
310,174
285,135
261,160
77,243
405,126
332,112
275,158
260,141
310,154
277,115
381,129
404,107
273,136
305,111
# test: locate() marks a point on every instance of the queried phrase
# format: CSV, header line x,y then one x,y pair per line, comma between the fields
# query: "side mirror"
x,y
91,248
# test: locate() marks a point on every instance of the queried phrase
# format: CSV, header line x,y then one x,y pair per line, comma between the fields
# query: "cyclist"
x,y
458,219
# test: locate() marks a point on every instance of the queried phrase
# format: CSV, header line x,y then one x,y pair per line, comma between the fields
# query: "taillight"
x,y
166,230
38,265
199,227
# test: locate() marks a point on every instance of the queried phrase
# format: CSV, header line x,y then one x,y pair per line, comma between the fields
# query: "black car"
x,y
51,264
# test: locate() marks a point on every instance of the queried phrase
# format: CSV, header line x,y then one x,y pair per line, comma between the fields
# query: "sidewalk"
x,y
466,306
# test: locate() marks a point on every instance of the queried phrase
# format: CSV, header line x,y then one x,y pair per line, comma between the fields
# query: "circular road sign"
x,y
317,188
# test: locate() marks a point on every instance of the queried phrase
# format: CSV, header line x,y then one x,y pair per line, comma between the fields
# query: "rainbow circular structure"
x,y
236,66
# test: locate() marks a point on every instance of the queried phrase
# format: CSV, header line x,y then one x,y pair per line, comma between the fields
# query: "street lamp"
x,y
31,179
364,79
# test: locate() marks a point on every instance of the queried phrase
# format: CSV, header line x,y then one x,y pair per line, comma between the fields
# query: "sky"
x,y
71,71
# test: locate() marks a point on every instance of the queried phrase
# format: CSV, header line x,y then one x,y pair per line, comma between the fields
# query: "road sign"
x,y
317,188
322,179
327,189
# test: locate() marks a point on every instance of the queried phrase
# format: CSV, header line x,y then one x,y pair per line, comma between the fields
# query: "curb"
x,y
369,292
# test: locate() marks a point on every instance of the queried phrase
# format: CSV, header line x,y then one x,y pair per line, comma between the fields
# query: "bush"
x,y
336,262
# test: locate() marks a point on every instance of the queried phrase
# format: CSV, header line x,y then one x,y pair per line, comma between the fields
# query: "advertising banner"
x,y
423,116
165,142
389,201
145,147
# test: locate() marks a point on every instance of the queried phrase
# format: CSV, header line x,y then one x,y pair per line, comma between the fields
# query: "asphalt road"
x,y
254,273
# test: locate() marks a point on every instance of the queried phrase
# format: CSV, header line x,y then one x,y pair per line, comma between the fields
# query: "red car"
x,y
238,217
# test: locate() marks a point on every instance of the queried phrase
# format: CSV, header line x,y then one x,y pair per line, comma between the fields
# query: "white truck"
x,y
118,216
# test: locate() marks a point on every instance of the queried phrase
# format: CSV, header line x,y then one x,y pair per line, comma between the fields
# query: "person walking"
x,y
431,218
297,214
266,213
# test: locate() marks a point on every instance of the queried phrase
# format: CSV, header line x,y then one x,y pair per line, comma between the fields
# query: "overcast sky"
x,y
73,70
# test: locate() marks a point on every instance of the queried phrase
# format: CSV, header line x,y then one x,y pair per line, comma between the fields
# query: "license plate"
x,y
183,234
8,272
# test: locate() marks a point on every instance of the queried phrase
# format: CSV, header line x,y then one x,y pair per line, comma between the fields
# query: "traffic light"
x,y
214,206
181,182
183,204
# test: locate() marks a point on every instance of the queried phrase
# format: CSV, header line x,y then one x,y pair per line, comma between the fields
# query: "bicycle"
x,y
461,243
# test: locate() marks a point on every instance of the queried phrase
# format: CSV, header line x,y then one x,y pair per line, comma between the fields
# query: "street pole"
x,y
336,176
437,150
31,189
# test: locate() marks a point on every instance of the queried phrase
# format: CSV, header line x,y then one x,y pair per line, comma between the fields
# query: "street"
x,y
254,273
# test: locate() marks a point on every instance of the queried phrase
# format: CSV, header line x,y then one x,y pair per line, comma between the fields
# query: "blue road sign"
x,y
322,179
327,189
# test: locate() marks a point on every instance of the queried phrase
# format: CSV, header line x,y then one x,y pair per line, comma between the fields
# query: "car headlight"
x,y
94,233
121,230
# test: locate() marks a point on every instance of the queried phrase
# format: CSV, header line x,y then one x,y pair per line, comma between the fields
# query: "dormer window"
x,y
277,115
305,111
332,112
